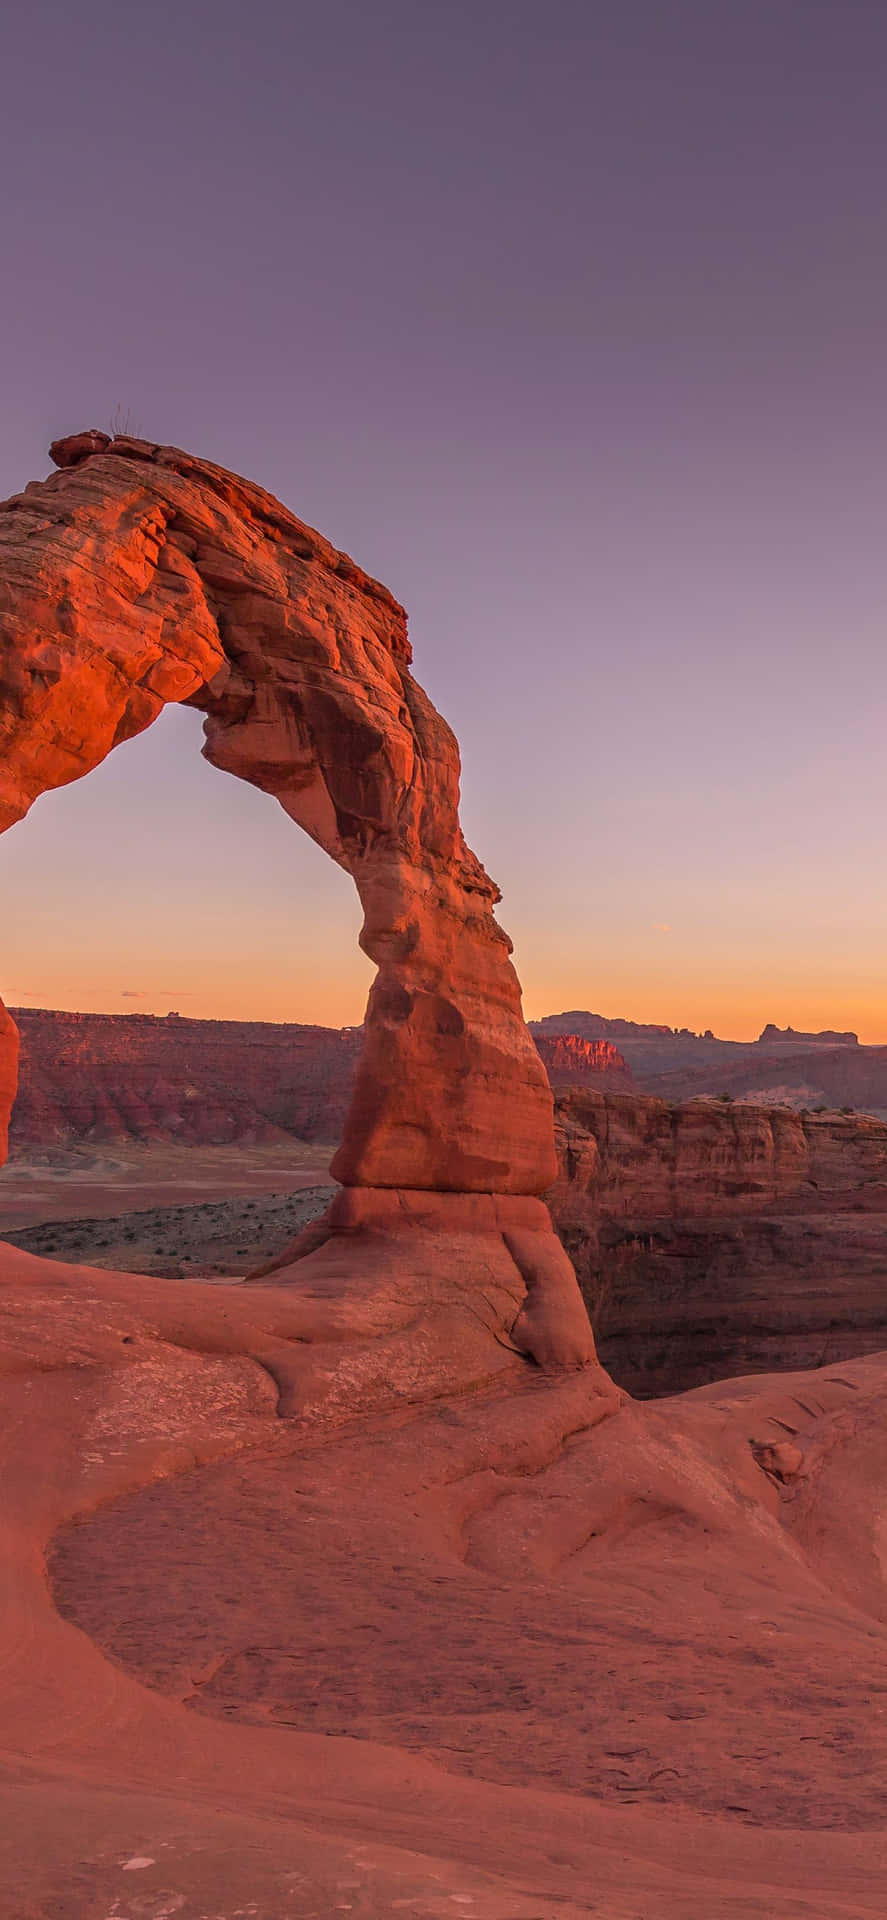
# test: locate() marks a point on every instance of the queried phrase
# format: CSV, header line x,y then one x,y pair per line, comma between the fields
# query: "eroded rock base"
x,y
371,1240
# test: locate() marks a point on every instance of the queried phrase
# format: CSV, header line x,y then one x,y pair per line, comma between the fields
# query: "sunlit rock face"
x,y
572,1062
137,575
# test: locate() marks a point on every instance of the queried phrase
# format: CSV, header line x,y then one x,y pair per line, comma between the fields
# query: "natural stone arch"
x,y
138,575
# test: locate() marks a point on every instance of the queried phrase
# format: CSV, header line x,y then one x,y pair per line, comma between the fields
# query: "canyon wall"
x,y
713,1240
101,1078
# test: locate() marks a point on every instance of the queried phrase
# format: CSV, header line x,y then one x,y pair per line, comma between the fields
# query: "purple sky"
x,y
569,323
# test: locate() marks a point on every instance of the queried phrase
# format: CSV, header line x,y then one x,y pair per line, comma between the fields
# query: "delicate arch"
x,y
138,575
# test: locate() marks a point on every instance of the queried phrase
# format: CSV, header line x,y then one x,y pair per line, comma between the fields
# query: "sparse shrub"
x,y
123,422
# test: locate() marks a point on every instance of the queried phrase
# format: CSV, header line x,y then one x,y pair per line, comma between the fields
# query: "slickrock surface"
x,y
713,1240
138,575
385,1621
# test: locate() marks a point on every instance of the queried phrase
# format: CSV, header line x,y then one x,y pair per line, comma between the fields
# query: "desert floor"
x,y
74,1183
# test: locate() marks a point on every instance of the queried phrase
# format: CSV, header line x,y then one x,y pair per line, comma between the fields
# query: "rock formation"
x,y
313,1596
574,1062
105,1077
138,575
513,1653
781,1068
789,1036
714,1240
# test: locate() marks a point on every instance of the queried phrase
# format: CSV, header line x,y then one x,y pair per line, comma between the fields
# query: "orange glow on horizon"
x,y
338,999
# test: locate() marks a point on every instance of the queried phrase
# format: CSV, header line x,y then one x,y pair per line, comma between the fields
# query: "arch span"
x,y
137,575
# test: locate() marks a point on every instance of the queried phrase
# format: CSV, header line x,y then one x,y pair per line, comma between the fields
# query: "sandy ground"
x,y
100,1182
216,1237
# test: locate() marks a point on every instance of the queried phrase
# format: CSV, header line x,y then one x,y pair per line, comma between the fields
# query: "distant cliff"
x,y
105,1077
113,1077
781,1068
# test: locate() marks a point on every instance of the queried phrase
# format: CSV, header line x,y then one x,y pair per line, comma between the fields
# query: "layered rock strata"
x,y
138,575
572,1062
112,1078
713,1240
115,1077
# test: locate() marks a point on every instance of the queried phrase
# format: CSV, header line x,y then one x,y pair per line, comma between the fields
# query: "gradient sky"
x,y
569,323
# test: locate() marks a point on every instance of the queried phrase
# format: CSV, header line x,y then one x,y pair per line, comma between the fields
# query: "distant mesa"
x,y
110,1079
789,1036
783,1067
596,1026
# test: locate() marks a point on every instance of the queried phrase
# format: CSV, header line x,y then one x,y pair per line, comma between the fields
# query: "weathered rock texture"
x,y
138,575
290,1632
712,1240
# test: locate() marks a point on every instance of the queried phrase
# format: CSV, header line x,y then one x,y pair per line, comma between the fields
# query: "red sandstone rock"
x,y
139,575
571,1061
392,1624
118,1077
713,1240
